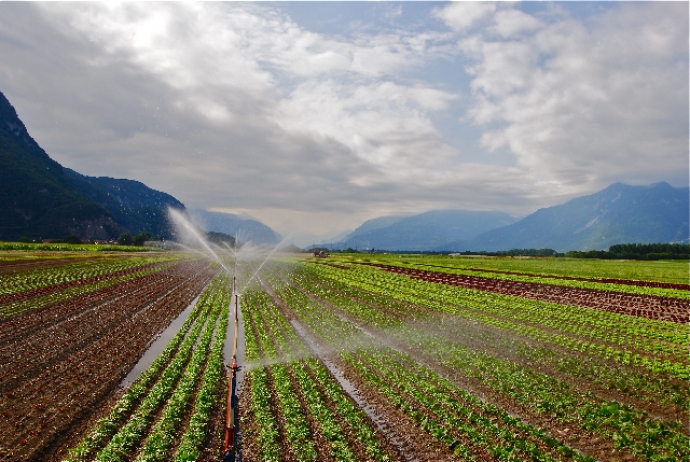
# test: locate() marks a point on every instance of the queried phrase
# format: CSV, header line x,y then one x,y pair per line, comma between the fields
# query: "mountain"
x,y
135,206
426,231
340,236
618,214
374,224
244,230
37,200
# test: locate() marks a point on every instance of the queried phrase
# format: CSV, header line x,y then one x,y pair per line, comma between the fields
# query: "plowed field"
x,y
59,361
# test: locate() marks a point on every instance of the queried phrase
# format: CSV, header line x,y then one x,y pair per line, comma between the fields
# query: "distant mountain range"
x,y
41,199
425,231
246,230
618,214
375,224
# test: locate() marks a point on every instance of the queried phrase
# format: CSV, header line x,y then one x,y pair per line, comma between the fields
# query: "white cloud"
x,y
510,23
382,123
462,15
238,106
585,104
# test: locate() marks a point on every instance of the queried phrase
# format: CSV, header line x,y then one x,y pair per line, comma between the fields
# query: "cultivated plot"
x,y
345,358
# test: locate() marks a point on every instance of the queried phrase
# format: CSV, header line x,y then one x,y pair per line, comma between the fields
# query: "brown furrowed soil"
x,y
12,266
24,295
61,363
627,282
646,306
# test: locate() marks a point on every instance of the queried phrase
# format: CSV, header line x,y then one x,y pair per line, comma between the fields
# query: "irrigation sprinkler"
x,y
230,437
230,443
231,451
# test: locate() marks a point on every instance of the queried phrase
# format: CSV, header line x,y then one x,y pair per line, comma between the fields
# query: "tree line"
x,y
637,252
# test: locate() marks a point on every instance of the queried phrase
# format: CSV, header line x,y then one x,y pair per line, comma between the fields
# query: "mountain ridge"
x,y
618,214
136,207
426,230
36,198
41,199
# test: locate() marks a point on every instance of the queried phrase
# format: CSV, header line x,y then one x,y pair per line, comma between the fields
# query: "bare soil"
x,y
646,306
64,373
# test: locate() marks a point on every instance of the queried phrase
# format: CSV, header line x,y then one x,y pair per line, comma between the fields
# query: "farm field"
x,y
459,359
71,329
362,357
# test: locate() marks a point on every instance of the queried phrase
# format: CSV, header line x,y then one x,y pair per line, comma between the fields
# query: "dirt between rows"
x,y
645,306
625,282
586,441
39,291
46,319
62,392
13,266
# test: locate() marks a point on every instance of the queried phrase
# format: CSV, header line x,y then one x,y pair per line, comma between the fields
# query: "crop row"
x,y
385,312
178,376
654,329
473,429
667,272
34,321
582,323
69,291
25,281
538,393
207,398
106,427
29,352
295,428
320,421
43,407
80,344
663,308
614,285
534,318
166,390
327,400
465,445
551,397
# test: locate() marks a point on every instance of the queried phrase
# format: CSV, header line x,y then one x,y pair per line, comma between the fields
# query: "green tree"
x,y
72,239
125,239
140,238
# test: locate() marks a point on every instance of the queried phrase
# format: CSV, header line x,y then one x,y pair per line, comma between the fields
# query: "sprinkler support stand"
x,y
229,442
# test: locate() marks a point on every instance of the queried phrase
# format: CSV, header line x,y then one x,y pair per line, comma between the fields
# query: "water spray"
x,y
270,254
189,231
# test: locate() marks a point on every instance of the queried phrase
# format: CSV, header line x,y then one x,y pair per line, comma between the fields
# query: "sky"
x,y
316,116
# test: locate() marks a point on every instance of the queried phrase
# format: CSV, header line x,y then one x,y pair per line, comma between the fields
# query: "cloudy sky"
x,y
319,116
